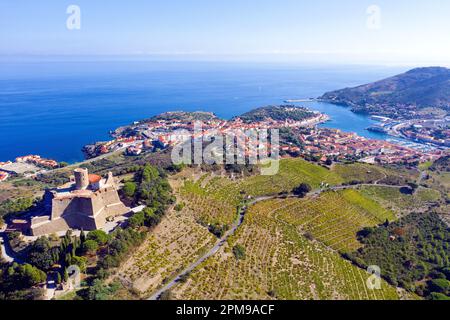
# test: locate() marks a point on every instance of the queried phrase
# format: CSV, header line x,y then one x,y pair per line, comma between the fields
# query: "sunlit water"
x,y
54,108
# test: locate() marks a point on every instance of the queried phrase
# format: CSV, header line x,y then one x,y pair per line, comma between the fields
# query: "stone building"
x,y
84,203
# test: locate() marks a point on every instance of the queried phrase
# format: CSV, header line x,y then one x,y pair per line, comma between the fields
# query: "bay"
x,y
53,108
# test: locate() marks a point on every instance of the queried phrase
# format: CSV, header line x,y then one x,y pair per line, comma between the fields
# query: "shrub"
x,y
90,246
81,262
217,229
302,190
239,252
129,189
179,206
439,296
439,285
99,236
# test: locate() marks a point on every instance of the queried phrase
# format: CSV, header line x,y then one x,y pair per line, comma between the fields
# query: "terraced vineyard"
x,y
212,199
394,199
334,218
292,172
366,173
177,241
280,262
293,246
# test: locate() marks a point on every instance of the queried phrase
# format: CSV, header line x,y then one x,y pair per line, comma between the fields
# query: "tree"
x,y
81,262
82,236
40,254
21,276
129,189
100,291
217,229
99,236
66,275
239,252
302,190
137,220
439,285
151,218
90,246
439,296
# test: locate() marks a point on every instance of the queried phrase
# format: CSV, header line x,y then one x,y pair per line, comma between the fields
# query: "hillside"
x,y
185,116
401,95
278,113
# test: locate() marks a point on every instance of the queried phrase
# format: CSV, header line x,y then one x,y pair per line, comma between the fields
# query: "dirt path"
x,y
237,224
211,251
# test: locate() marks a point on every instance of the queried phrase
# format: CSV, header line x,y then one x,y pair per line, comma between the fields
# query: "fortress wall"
x,y
88,212
59,206
106,198
50,227
77,221
100,219
83,206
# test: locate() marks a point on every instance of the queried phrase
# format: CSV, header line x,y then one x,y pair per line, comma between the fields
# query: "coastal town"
x,y
305,139
324,144
434,132
27,166
310,141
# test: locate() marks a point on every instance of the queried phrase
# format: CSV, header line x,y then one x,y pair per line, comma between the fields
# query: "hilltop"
x,y
403,95
278,113
185,116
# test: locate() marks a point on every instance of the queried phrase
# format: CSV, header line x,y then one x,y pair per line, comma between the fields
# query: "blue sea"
x,y
53,108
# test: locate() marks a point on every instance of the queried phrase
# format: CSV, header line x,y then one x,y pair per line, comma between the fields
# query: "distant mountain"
x,y
401,95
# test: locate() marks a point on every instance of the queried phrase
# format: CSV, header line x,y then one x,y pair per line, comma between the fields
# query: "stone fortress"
x,y
84,203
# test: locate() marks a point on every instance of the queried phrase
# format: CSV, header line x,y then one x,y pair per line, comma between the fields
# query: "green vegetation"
x,y
302,190
278,113
90,247
179,206
400,200
333,218
185,116
388,96
279,263
19,282
129,189
118,247
98,236
239,252
292,173
100,291
42,257
15,206
282,249
409,251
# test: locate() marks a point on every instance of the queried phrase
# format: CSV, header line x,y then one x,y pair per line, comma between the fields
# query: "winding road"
x,y
7,253
239,222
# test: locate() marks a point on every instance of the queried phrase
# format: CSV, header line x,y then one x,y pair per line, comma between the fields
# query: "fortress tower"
x,y
81,178
85,203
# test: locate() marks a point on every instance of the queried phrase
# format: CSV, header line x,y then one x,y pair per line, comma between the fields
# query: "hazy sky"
x,y
323,30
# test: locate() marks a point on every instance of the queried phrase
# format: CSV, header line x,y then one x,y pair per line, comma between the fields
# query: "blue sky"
x,y
323,30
